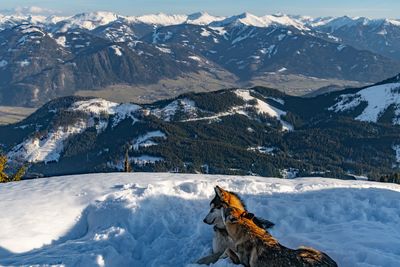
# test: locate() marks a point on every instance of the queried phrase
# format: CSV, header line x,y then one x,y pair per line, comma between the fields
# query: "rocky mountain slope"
x,y
41,58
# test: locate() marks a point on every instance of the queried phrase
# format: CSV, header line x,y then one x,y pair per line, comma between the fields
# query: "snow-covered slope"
x,y
263,21
377,99
49,147
156,219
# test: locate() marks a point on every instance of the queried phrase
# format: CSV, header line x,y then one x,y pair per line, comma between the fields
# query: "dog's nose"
x,y
204,220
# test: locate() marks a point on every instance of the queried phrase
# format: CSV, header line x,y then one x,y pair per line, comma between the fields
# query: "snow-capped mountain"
x,y
99,50
376,103
340,134
380,36
128,219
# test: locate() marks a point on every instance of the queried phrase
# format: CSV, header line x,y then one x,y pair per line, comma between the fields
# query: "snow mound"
x,y
148,219
378,99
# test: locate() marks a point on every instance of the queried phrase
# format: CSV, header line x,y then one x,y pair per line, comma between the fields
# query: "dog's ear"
x,y
263,223
218,190
248,215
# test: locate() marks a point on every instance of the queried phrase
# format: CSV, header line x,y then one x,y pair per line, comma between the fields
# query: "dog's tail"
x,y
315,257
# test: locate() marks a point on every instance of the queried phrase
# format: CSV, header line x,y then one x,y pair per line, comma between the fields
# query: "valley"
x,y
153,57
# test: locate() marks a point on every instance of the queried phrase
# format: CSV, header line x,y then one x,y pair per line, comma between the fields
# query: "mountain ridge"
x,y
41,58
275,134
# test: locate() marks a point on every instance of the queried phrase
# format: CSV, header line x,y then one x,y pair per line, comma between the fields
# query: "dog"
x,y
221,239
255,247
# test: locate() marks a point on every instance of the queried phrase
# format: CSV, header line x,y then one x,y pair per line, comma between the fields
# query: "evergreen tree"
x,y
19,174
127,164
4,177
3,164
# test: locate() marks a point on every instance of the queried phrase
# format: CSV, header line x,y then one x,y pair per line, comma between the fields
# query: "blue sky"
x,y
369,8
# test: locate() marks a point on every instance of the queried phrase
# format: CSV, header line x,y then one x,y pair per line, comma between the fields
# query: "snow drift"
x,y
156,219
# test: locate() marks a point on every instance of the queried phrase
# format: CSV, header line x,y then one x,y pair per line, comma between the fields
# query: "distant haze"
x,y
315,8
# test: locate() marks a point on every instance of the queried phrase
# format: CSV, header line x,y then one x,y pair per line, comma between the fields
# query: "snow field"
x,y
152,219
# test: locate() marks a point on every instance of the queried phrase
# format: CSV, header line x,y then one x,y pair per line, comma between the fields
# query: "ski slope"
x,y
153,219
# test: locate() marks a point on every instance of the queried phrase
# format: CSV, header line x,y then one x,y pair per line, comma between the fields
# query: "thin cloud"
x,y
30,10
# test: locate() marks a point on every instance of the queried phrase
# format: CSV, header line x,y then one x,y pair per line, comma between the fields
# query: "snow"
x,y
97,106
278,100
264,21
270,50
24,63
145,140
281,37
195,58
202,18
263,149
205,33
378,99
168,112
265,108
164,50
341,47
88,21
47,148
155,219
117,50
335,23
396,149
289,173
61,41
145,159
395,22
243,37
3,63
162,19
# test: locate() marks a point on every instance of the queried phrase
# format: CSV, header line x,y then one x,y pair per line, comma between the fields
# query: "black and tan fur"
x,y
221,239
255,247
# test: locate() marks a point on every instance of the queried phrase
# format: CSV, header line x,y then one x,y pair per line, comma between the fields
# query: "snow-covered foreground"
x,y
156,219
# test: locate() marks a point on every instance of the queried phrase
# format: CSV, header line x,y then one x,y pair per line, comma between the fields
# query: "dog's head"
x,y
232,215
214,218
239,223
222,197
229,198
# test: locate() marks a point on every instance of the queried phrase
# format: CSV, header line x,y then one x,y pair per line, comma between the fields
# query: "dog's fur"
x,y
221,239
255,247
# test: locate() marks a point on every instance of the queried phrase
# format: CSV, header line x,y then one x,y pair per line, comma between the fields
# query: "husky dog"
x,y
221,239
255,247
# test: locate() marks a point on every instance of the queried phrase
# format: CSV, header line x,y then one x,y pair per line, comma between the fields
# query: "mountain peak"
x,y
202,18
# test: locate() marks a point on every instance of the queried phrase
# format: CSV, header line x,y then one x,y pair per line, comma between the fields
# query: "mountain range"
x,y
345,134
152,57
